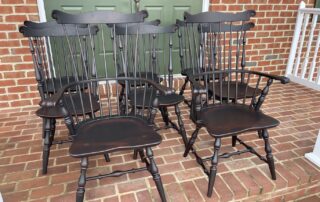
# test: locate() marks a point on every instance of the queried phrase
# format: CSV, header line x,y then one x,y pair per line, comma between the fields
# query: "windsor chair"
x,y
231,104
119,124
52,70
154,62
193,37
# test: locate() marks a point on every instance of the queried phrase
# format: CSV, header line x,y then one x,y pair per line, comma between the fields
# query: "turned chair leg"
x,y
269,156
82,179
182,130
153,169
106,157
234,141
46,144
214,165
165,115
142,156
191,141
53,129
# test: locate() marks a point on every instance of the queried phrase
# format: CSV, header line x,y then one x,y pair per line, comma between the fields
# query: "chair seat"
x,y
56,111
103,135
232,119
164,100
244,90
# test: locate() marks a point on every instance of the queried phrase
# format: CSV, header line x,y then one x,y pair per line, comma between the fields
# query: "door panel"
x,y
165,10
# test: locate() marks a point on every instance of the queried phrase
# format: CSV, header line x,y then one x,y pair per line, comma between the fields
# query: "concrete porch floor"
x,y
240,178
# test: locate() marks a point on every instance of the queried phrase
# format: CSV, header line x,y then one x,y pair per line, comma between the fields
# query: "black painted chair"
x,y
199,40
53,70
231,104
154,62
121,123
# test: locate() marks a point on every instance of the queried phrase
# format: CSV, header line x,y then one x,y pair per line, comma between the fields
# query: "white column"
x,y
314,156
41,10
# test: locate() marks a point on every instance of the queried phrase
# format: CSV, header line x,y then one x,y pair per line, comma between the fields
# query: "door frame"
x,y
43,18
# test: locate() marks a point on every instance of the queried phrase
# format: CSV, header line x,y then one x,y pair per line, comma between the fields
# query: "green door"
x,y
165,10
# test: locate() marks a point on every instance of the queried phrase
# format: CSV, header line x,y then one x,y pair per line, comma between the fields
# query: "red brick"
x,y
16,18
174,192
12,2
104,191
128,198
26,9
33,183
191,191
6,9
47,191
132,185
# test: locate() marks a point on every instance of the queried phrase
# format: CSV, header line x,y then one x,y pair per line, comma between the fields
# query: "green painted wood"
x,y
317,4
165,10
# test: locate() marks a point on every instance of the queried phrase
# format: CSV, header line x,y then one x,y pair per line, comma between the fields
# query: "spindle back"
x,y
51,58
214,40
153,55
102,50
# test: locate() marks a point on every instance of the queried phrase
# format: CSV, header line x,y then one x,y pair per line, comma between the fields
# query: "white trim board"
x,y
43,18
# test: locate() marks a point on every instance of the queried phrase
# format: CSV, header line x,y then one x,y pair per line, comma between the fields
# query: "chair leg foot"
x,y
191,141
260,134
269,156
135,154
153,169
184,86
234,141
182,130
82,180
106,157
142,156
48,137
165,115
214,165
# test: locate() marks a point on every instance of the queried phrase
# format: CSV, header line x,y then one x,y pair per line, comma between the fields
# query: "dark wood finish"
x,y
110,129
99,17
193,46
153,61
113,134
231,119
119,123
218,17
226,98
46,43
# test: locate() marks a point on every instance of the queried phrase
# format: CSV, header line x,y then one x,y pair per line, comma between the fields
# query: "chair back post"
x,y
170,69
181,48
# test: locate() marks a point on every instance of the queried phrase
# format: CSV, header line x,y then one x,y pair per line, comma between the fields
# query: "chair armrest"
x,y
55,98
282,79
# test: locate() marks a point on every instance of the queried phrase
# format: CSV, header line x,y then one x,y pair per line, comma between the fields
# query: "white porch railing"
x,y
303,64
302,68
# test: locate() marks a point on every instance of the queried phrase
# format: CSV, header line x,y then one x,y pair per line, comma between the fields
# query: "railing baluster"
x,y
306,59
305,24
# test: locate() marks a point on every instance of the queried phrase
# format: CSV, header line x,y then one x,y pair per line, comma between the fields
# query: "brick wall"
x,y
268,45
17,83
